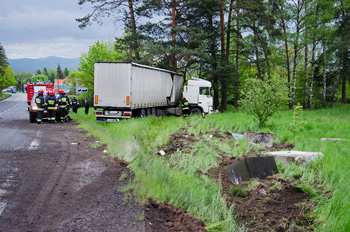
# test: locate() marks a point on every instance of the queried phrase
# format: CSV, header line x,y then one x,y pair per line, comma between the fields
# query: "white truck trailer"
x,y
125,90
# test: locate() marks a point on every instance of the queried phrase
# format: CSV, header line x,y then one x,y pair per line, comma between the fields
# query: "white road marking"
x,y
36,142
9,108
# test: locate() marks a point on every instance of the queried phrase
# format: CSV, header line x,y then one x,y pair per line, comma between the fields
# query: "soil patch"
x,y
164,217
273,205
179,141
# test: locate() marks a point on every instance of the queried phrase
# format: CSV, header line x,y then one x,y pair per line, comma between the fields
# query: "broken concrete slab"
x,y
238,172
259,138
237,136
298,157
243,170
261,167
334,139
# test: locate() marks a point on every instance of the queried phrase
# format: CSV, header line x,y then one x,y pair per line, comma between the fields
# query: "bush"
x,y
263,98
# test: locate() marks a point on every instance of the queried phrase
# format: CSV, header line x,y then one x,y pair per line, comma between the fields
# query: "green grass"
x,y
4,96
174,180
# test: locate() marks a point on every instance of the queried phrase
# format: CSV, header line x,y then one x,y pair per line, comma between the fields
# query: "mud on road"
x,y
60,184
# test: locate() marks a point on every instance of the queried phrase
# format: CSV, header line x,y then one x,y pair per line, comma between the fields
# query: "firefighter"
x,y
75,105
63,102
40,103
51,103
185,107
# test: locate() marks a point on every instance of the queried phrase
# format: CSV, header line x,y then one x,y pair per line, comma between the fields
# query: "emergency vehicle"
x,y
33,88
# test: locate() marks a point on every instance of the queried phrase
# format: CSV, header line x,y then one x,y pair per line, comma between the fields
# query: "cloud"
x,y
41,28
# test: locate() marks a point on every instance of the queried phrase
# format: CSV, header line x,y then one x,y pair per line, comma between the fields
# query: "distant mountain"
x,y
31,65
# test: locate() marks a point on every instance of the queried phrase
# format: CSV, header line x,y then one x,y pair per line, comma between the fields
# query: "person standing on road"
x,y
75,105
51,103
185,107
87,105
63,101
40,103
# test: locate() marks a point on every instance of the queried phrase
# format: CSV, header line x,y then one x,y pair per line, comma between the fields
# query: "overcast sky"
x,y
41,28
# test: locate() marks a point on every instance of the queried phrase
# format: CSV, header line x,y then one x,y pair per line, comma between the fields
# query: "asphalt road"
x,y
50,180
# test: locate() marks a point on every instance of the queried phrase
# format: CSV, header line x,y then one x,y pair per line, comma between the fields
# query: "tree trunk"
x,y
286,47
266,53
214,68
336,82
294,75
133,29
223,57
173,59
236,86
343,85
312,72
324,76
306,57
228,33
296,51
222,29
306,77
257,51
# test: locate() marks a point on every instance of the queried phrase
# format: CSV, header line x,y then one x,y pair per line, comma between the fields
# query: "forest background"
x,y
305,42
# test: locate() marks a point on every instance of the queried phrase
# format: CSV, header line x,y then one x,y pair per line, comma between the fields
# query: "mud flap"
x,y
243,170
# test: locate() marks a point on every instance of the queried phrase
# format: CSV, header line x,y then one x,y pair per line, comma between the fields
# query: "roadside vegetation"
x,y
4,95
174,179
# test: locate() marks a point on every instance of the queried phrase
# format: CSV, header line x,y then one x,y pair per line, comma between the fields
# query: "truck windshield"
x,y
204,90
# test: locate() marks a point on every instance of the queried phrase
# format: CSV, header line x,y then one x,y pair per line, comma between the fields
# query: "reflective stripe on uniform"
x,y
51,102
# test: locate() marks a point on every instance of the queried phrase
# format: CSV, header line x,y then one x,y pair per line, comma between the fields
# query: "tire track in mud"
x,y
50,183
8,182
64,173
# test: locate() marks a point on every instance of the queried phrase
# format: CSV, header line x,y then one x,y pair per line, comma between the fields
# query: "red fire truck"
x,y
33,88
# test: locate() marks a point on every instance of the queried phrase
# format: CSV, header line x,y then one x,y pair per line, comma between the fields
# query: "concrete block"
x,y
334,139
237,136
238,172
298,157
261,167
259,138
243,170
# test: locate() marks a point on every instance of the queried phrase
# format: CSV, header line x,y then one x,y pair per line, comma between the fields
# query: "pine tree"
x,y
59,72
3,60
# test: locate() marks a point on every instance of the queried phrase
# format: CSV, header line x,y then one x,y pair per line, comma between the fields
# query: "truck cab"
x,y
197,93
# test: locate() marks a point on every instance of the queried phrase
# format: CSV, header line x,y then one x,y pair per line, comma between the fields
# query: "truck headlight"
x,y
34,107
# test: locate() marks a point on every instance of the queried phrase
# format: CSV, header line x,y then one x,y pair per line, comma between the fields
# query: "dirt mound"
x,y
272,205
179,141
277,208
164,217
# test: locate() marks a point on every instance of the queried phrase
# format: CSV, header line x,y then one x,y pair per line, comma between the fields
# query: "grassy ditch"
x,y
176,179
4,96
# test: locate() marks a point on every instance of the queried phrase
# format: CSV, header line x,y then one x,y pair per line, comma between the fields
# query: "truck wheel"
x,y
195,111
154,112
143,113
31,118
149,111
